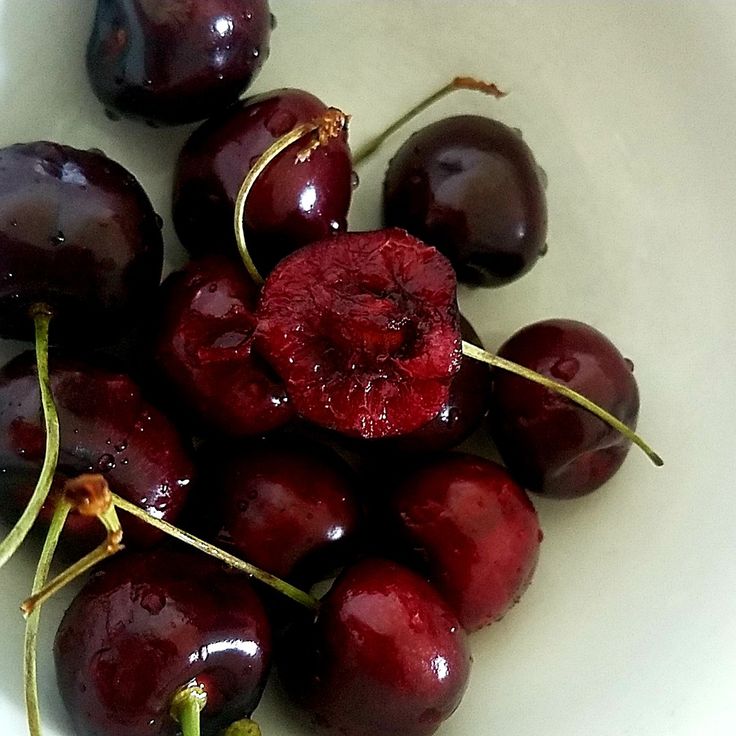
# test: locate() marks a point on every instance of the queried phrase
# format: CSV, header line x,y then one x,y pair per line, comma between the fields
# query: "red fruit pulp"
x,y
363,329
204,348
476,531
386,656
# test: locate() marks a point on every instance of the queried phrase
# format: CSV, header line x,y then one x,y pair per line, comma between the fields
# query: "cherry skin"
x,y
462,413
145,626
286,505
470,186
291,203
550,445
79,234
203,350
107,427
475,531
385,657
175,61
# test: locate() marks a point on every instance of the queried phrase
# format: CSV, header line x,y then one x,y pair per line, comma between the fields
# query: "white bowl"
x,y
630,624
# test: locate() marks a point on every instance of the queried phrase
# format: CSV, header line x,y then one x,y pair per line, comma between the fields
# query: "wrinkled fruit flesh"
x,y
363,329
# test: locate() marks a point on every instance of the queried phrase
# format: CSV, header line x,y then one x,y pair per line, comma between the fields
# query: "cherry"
x,y
78,235
203,348
385,657
551,446
147,627
290,205
107,427
363,330
474,529
470,186
176,61
287,506
460,415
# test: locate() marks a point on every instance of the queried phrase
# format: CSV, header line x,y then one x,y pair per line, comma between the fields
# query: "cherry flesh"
x,y
176,61
203,350
107,427
145,626
550,445
460,415
470,186
291,204
475,531
363,329
385,657
79,234
287,506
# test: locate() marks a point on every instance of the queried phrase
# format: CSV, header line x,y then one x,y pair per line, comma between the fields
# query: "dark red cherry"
x,y
77,233
204,351
550,445
474,529
385,657
363,329
291,203
461,414
288,506
107,427
470,186
146,626
176,61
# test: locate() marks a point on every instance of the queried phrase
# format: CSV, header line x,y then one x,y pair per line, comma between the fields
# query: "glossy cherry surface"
x,y
474,529
176,61
385,657
470,186
145,626
363,329
550,445
288,506
290,205
107,427
463,411
78,233
204,350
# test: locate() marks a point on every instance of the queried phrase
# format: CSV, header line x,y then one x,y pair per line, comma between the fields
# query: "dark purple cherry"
x,y
288,506
475,531
550,445
291,203
203,349
107,427
77,233
461,414
385,657
147,626
470,186
176,61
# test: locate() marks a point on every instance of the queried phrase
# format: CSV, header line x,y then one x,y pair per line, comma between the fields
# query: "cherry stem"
x,y
329,125
90,496
476,353
30,644
186,705
41,315
246,727
469,83
299,596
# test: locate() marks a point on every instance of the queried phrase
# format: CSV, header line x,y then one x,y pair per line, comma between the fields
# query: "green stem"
x,y
186,705
299,596
41,315
30,646
458,83
472,351
246,727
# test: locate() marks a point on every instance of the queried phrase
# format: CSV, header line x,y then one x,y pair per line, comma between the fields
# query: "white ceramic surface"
x,y
630,625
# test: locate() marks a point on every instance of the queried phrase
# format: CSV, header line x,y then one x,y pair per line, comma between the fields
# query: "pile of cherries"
x,y
252,413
